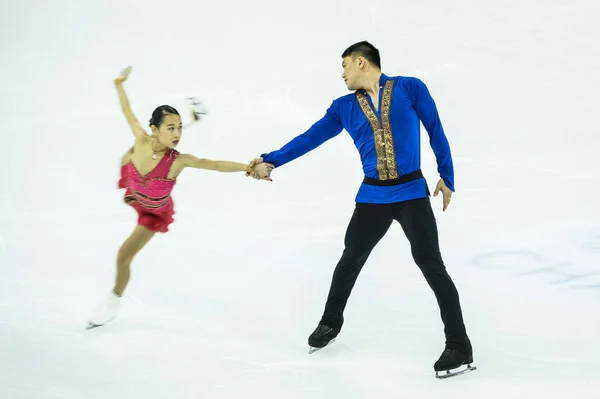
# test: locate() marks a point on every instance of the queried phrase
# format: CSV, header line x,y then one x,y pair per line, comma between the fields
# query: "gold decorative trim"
x,y
140,198
155,199
377,133
388,137
382,133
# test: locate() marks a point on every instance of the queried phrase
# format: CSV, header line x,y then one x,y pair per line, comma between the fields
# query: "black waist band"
x,y
417,174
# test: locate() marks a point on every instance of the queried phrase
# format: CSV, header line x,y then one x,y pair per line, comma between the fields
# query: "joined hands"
x,y
261,170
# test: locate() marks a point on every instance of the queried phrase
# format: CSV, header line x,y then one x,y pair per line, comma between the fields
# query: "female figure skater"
x,y
148,174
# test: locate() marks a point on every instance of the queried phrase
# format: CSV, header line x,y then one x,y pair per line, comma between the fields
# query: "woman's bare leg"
x,y
109,308
130,248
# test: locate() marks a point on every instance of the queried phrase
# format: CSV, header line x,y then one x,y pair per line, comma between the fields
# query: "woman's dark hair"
x,y
160,112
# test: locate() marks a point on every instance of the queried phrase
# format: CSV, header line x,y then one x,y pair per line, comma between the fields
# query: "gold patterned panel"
x,y
382,135
377,133
388,137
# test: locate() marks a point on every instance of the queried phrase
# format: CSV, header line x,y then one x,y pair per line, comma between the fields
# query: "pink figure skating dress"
x,y
150,195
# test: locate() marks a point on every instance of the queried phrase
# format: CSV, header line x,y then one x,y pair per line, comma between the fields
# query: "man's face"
x,y
351,72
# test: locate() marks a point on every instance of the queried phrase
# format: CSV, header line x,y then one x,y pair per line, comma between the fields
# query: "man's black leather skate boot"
x,y
451,359
322,336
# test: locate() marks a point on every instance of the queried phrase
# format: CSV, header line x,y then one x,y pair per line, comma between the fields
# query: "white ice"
x,y
221,307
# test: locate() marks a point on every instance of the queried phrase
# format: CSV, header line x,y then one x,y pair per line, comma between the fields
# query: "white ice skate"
x,y
106,312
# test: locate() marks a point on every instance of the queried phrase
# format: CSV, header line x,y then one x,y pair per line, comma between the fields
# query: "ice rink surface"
x,y
221,306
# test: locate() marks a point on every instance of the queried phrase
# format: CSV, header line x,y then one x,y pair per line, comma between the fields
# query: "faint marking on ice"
x,y
290,102
506,264
136,299
528,263
534,164
39,329
7,340
569,176
369,9
47,393
593,243
540,358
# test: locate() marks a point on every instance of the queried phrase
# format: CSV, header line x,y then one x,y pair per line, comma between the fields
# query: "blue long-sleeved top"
x,y
387,138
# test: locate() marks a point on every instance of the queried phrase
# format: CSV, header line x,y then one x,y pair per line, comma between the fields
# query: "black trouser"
x,y
368,225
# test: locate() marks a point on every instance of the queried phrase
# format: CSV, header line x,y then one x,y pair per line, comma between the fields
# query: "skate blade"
x,y
313,350
448,374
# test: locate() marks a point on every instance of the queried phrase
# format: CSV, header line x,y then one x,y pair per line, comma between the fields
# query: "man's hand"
x,y
446,192
260,169
256,161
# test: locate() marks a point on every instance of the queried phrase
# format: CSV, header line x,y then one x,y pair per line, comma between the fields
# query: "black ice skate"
x,y
321,337
450,361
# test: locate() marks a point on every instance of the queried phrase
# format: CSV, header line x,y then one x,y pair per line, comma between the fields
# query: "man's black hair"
x,y
365,49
